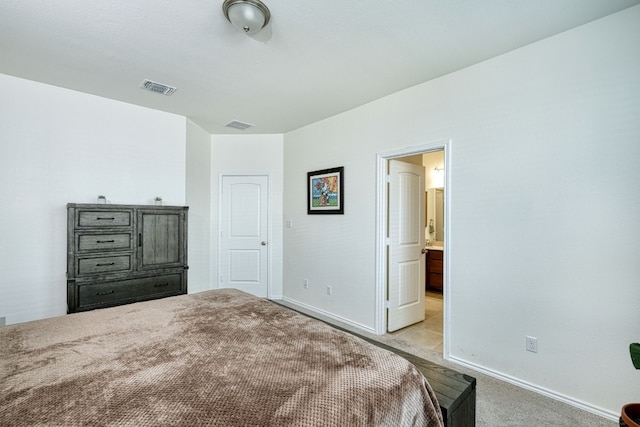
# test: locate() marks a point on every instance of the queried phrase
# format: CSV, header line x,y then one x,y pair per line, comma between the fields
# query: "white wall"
x,y
545,209
59,146
252,155
198,195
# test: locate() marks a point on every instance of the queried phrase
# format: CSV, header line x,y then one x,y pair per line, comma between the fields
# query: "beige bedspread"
x,y
221,358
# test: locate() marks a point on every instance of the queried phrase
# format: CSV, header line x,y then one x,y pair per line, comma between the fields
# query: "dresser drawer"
x,y
105,264
105,218
130,290
103,242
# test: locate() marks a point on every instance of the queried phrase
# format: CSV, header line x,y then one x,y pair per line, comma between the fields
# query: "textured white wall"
x,y
544,155
250,154
198,186
59,146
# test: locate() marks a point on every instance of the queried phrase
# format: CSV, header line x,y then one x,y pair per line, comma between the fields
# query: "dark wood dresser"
x,y
118,254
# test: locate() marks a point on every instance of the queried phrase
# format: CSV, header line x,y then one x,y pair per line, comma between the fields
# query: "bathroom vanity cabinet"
x,y
434,270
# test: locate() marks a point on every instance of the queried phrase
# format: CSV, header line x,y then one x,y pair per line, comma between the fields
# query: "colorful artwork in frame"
x,y
325,191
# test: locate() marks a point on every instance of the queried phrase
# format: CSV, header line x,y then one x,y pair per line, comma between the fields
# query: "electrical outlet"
x,y
305,283
532,344
328,290
3,321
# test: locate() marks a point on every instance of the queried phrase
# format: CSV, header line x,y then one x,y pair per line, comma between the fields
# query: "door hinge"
x,y
387,241
387,304
387,178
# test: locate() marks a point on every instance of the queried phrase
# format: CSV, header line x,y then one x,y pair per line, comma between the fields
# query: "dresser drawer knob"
x,y
161,285
106,292
105,241
102,265
105,219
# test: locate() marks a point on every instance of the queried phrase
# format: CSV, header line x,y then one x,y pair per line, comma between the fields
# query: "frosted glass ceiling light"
x,y
249,16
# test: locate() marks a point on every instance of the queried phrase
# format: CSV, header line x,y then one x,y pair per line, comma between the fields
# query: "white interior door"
x,y
406,281
244,251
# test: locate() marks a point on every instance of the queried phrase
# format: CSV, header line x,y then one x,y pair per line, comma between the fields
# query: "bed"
x,y
223,358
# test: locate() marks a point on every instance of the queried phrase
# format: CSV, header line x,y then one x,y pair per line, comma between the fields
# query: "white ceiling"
x,y
317,58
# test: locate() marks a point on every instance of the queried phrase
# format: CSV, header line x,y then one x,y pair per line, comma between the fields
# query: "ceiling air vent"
x,y
236,124
157,87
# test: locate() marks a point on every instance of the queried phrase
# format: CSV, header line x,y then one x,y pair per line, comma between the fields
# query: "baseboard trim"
x,y
537,389
314,310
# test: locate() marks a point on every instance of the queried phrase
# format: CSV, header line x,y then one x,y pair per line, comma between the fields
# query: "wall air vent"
x,y
236,124
157,87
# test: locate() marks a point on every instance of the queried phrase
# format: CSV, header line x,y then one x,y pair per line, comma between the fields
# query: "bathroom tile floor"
x,y
428,333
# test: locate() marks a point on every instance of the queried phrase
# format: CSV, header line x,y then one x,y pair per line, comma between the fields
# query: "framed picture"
x,y
325,191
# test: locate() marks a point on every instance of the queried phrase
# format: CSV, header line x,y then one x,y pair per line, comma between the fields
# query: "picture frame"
x,y
325,191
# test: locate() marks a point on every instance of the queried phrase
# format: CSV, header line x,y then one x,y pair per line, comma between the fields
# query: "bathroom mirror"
x,y
435,215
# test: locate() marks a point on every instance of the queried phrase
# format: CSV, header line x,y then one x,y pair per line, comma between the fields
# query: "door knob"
x,y
424,251
263,243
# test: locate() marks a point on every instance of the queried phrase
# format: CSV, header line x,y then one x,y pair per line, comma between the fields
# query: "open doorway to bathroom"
x,y
430,333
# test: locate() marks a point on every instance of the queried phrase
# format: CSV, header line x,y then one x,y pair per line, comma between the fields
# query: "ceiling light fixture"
x,y
249,16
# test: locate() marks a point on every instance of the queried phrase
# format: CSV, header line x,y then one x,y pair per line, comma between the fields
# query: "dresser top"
x,y
117,206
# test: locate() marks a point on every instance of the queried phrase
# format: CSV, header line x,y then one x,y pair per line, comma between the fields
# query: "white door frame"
x,y
381,232
221,175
